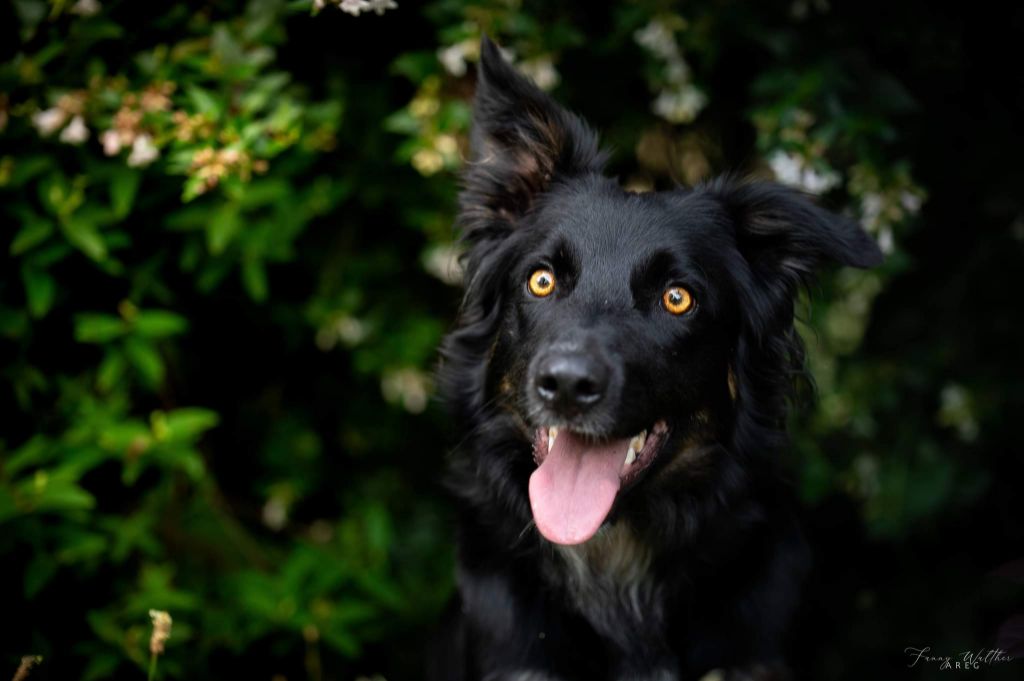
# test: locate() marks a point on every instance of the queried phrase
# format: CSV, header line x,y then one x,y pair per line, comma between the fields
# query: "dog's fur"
x,y
697,566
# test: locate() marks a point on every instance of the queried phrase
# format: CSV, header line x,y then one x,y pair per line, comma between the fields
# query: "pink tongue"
x,y
574,488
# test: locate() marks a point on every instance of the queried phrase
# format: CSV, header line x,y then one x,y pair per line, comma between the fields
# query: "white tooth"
x,y
637,443
552,434
630,456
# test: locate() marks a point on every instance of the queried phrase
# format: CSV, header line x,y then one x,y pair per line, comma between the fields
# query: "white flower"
x,y
680,105
786,167
542,71
381,6
161,631
143,152
886,242
442,261
76,132
357,7
447,145
453,58
790,169
956,408
911,202
275,513
818,182
657,38
428,161
49,121
409,387
354,7
349,330
86,8
871,205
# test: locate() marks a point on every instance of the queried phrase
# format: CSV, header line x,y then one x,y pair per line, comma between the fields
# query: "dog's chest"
x,y
609,581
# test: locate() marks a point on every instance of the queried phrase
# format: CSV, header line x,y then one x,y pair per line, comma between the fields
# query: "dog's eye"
x,y
542,282
677,300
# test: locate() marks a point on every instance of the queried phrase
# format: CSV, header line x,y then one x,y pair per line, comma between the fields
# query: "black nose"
x,y
571,383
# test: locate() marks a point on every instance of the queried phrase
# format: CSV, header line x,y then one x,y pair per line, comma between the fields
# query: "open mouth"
x,y
578,478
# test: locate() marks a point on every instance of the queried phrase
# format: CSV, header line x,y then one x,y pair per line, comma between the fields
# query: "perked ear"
x,y
521,142
785,237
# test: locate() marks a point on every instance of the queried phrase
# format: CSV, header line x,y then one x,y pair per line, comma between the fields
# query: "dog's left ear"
x,y
785,237
522,141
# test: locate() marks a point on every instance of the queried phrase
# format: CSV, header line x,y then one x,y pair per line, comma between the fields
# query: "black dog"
x,y
621,371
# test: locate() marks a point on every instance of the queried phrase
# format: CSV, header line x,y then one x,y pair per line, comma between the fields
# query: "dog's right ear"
x,y
521,142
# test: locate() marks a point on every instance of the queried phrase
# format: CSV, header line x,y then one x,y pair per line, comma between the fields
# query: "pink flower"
x,y
111,141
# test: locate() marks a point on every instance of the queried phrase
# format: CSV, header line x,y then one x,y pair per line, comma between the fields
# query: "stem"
x,y
152,666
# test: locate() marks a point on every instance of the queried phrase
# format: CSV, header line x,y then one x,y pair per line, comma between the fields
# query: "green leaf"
x,y
189,423
146,360
58,196
124,185
28,168
30,12
254,277
82,545
111,371
31,234
38,572
84,235
98,328
126,436
203,101
194,187
40,290
416,66
402,122
223,227
36,451
263,91
185,459
159,323
56,492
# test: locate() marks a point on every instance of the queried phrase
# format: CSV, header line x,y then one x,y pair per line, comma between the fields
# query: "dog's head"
x,y
621,329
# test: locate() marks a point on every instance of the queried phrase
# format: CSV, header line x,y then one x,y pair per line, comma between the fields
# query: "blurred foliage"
x,y
229,258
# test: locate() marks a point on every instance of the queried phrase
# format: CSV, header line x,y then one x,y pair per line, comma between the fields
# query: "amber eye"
x,y
542,282
677,300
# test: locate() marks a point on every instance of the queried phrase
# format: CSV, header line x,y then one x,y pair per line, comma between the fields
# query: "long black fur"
x,y
699,564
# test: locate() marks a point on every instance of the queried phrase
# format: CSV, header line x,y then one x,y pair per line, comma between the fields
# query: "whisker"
x,y
530,524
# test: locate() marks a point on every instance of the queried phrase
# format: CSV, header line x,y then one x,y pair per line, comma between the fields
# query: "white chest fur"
x,y
610,582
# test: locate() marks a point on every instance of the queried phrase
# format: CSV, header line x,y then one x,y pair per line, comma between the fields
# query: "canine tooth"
x,y
630,455
637,443
552,434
